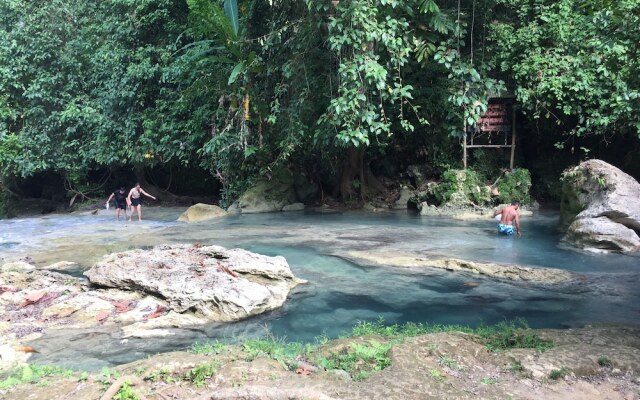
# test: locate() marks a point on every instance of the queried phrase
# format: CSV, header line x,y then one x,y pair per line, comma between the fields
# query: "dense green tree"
x,y
575,62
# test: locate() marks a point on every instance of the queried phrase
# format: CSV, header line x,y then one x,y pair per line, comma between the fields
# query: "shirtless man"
x,y
509,215
134,200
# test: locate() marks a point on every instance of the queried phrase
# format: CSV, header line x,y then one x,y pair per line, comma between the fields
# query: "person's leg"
x,y
117,213
139,212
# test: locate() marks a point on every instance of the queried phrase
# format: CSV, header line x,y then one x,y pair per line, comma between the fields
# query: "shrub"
x,y
462,187
512,335
515,185
558,373
605,362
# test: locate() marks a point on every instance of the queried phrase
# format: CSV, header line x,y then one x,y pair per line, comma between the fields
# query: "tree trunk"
x,y
354,166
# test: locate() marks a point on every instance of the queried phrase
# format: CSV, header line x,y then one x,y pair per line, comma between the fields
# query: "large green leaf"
x,y
231,10
236,71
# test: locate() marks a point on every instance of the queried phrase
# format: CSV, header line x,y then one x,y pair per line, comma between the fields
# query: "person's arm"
x,y
146,194
497,212
517,220
129,196
109,199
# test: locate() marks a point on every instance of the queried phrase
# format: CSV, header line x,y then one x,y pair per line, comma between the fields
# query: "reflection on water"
x,y
339,293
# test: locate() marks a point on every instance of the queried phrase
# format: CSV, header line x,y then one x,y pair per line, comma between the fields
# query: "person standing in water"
x,y
135,200
509,217
119,202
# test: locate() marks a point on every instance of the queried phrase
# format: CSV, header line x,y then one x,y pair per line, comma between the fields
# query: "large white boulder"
x,y
213,282
600,208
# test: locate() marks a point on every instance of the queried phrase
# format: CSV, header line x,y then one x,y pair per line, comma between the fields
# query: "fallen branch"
x,y
117,385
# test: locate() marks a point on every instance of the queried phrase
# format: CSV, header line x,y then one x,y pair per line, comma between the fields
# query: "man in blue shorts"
x,y
509,217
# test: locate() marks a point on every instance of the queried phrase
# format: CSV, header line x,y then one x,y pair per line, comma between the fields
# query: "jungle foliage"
x,y
339,91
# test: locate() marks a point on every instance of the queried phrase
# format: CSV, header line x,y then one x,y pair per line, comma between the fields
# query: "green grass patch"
x,y
512,335
409,329
212,347
126,393
359,359
558,373
274,348
164,374
488,381
448,362
605,362
33,374
200,374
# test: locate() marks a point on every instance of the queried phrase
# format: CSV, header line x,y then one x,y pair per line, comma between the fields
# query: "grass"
x,y
448,362
359,359
512,335
488,381
33,374
126,393
605,362
275,348
558,373
212,347
199,375
164,374
516,367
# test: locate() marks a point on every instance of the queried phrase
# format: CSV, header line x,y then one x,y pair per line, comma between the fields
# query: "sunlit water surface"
x,y
339,293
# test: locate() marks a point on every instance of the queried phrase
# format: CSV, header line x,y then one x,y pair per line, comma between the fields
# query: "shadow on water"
x,y
340,293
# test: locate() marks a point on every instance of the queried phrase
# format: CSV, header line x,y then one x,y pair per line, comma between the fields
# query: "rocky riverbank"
x,y
588,363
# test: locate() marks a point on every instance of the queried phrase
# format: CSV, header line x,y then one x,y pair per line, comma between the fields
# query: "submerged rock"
x,y
507,272
600,208
212,282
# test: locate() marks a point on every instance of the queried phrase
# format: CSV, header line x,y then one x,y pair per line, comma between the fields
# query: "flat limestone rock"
x,y
507,272
212,282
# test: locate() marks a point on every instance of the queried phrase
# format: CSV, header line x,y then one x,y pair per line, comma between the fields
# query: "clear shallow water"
x,y
340,293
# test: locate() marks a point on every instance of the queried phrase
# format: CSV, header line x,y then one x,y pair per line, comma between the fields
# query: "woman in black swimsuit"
x,y
134,200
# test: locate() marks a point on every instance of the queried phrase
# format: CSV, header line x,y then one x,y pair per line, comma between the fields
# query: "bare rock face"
x,y
600,208
202,212
213,282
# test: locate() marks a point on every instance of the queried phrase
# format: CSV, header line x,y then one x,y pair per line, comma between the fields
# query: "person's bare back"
x,y
509,217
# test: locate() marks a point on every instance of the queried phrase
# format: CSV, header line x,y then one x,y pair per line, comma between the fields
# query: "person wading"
x,y
135,200
119,202
509,217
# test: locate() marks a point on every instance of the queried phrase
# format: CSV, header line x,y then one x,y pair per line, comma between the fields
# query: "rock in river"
x,y
600,208
210,281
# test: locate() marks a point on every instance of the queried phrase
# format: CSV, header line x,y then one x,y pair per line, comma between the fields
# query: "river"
x,y
339,293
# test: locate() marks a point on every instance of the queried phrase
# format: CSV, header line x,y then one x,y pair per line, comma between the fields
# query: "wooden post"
x,y
513,135
464,147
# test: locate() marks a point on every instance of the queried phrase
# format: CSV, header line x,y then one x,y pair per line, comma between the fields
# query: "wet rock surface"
x,y
506,272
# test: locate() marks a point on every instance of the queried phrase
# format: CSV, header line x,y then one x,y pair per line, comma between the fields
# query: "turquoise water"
x,y
339,293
